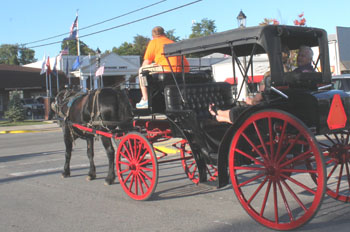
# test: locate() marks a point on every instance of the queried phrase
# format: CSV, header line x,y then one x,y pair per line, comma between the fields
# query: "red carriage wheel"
x,y
190,166
269,163
137,166
336,150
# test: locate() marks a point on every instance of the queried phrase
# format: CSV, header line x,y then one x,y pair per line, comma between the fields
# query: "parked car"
x,y
32,106
342,82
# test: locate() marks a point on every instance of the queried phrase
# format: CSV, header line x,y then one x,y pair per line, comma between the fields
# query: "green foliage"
x,y
73,48
170,34
204,28
15,110
15,55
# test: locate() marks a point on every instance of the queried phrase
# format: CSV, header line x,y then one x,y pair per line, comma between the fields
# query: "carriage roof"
x,y
242,38
257,40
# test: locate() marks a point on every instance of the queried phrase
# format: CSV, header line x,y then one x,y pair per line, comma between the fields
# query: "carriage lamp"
x,y
241,19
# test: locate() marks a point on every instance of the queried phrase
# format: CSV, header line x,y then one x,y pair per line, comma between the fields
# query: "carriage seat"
x,y
166,78
198,97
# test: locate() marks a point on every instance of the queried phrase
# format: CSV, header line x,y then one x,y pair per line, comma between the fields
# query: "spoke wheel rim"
x,y
336,148
190,166
137,167
267,172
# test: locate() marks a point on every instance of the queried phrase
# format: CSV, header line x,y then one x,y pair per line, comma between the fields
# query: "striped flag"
x,y
43,65
100,71
74,25
48,69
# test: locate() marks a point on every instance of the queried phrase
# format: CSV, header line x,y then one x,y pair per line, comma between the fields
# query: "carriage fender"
x,y
224,148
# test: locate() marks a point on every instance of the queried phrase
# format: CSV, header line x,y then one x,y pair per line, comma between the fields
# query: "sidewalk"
x,y
48,126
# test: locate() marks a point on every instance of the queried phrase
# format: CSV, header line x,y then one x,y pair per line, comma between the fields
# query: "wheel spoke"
x,y
254,147
280,142
294,195
289,149
127,151
275,201
285,202
339,178
272,150
347,173
141,174
333,169
248,168
126,157
265,198
145,162
249,157
298,157
145,175
260,138
257,190
299,170
140,184
251,180
299,184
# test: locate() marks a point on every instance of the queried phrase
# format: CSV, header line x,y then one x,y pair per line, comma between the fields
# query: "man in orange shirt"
x,y
154,53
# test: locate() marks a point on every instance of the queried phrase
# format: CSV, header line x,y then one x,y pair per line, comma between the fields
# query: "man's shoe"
x,y
142,104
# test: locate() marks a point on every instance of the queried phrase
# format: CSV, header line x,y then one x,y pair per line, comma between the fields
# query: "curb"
x,y
26,131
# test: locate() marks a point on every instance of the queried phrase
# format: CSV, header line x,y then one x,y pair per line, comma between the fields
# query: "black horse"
x,y
105,109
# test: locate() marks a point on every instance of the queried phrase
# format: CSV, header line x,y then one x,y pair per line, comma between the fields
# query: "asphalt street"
x,y
34,197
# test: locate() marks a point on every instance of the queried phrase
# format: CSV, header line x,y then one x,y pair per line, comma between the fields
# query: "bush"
x,y
15,110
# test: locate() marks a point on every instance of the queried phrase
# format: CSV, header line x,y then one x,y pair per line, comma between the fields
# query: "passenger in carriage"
x,y
230,115
304,60
154,53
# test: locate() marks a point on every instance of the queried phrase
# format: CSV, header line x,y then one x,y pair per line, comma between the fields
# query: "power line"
x,y
92,25
125,24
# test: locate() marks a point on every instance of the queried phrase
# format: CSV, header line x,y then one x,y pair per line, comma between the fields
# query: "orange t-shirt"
x,y
155,50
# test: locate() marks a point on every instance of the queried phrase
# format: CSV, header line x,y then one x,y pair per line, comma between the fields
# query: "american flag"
x,y
74,25
65,51
48,69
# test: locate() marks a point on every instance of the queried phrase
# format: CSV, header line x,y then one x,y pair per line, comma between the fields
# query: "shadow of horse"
x,y
104,109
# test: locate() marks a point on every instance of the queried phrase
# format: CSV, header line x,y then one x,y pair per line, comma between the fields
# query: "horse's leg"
x,y
107,143
68,141
90,154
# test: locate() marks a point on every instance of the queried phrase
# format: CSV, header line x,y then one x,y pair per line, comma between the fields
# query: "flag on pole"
x,y
43,65
73,30
48,69
67,72
65,51
76,64
100,71
54,69
74,25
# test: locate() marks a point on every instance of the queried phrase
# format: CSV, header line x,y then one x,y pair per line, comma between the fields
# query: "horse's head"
x,y
61,99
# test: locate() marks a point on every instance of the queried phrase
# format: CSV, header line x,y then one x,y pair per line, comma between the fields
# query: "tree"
x,y
125,49
72,47
15,110
170,35
15,55
26,55
204,28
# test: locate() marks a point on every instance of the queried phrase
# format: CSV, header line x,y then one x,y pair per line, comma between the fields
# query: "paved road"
x,y
34,197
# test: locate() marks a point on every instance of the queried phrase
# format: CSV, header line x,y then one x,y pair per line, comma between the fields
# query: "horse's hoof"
x,y
65,175
107,183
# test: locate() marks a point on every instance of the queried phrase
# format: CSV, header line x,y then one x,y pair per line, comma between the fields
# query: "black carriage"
x,y
280,155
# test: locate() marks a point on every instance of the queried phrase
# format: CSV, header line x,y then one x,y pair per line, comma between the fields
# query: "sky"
x,y
23,21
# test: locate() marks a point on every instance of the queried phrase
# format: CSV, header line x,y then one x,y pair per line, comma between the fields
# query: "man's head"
x,y
304,56
157,32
